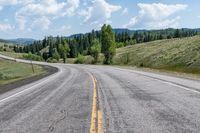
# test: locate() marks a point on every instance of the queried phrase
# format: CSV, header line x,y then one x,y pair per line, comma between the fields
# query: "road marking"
x,y
187,88
96,118
40,82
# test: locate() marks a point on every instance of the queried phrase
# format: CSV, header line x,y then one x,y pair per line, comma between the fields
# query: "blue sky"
x,y
38,18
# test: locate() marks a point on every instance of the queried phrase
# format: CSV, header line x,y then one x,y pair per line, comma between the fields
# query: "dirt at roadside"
x,y
14,85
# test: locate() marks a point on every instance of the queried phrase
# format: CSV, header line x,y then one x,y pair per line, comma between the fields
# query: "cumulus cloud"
x,y
125,11
44,10
63,29
14,2
99,12
156,15
5,27
6,3
50,7
41,23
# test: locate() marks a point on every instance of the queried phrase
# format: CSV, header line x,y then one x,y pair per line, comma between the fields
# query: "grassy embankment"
x,y
13,54
179,55
13,71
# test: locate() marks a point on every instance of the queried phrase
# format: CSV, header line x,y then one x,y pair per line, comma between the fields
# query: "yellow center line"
x,y
96,118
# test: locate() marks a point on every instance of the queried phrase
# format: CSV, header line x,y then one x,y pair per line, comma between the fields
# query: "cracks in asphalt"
x,y
114,121
59,119
76,114
169,117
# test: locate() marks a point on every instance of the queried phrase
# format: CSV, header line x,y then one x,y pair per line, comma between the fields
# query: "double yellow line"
x,y
96,117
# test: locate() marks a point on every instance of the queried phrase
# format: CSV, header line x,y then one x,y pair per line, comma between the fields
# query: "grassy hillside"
x,y
13,71
4,46
182,55
13,54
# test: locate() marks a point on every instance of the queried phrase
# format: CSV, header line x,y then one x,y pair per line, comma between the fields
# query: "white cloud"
x,y
8,2
63,30
21,21
71,7
45,10
41,23
50,7
5,27
125,11
99,12
156,15
14,2
25,2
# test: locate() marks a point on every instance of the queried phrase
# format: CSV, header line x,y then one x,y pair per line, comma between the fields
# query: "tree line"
x,y
104,41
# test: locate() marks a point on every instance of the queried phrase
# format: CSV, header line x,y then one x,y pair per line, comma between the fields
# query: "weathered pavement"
x,y
127,100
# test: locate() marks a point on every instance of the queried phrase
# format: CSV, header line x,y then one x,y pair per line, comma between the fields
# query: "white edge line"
x,y
159,79
32,87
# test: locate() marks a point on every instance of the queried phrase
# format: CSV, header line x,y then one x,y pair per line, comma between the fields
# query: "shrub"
x,y
32,57
89,60
52,60
80,59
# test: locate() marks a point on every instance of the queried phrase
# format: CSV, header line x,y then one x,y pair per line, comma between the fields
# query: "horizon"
x,y
35,19
90,31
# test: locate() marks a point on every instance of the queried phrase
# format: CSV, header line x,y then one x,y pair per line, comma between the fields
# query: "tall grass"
x,y
182,55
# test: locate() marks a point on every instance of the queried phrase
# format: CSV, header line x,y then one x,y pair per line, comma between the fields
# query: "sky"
x,y
39,18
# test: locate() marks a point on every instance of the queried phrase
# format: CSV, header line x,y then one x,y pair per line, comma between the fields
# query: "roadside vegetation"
x,y
11,71
168,49
58,49
180,55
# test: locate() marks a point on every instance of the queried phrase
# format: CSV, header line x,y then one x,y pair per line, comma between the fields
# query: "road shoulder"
x,y
5,88
163,72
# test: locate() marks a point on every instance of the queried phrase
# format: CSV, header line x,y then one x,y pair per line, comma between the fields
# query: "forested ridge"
x,y
81,44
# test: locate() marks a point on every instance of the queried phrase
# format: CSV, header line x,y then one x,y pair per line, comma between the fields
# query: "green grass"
x,y
180,55
13,54
13,71
2,44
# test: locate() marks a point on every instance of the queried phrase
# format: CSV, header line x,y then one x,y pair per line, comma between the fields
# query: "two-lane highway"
x,y
62,104
142,102
84,98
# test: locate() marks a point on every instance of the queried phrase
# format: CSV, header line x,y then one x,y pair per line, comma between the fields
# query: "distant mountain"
x,y
3,41
198,29
123,30
22,41
119,31
75,35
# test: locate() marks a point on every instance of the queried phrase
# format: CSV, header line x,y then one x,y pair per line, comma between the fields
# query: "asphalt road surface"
x,y
83,98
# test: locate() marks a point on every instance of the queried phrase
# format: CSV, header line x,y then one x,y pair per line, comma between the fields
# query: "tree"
x,y
64,50
108,43
73,49
45,56
177,33
55,54
95,49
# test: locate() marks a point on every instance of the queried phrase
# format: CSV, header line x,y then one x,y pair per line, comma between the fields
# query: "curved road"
x,y
125,101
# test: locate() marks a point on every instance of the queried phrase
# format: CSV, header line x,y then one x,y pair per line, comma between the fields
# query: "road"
x,y
84,98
